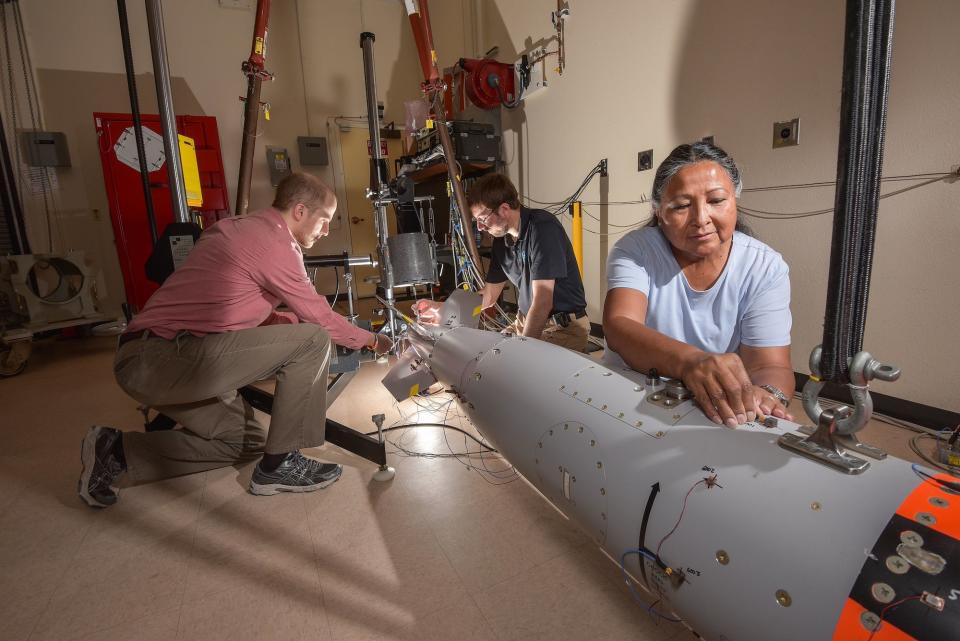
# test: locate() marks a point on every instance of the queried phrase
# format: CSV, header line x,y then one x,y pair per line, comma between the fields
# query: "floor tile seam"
x,y
193,547
466,588
99,631
483,615
316,568
60,582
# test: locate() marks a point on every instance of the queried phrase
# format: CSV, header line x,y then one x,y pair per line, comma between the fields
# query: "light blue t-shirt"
x,y
748,305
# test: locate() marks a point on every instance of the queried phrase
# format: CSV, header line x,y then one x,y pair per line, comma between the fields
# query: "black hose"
x,y
135,112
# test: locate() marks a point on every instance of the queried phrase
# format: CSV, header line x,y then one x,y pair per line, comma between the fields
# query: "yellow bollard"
x,y
577,233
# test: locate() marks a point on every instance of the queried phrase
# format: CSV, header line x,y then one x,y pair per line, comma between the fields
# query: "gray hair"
x,y
685,155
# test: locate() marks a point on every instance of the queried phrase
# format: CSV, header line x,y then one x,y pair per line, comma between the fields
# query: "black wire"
x,y
953,488
831,183
503,99
486,449
773,215
560,208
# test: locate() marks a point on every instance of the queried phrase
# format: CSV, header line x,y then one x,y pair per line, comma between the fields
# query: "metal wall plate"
x,y
313,151
786,133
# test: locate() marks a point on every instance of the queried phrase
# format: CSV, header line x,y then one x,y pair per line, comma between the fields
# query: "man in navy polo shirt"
x,y
531,250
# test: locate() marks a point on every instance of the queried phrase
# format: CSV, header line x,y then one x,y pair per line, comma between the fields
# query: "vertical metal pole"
x,y
135,112
251,116
171,146
377,178
253,67
459,197
14,211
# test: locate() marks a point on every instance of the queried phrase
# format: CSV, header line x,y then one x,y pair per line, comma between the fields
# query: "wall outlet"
x,y
786,134
236,4
708,139
955,170
645,160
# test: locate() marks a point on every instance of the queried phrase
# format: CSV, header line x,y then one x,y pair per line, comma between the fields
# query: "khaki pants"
x,y
573,336
194,380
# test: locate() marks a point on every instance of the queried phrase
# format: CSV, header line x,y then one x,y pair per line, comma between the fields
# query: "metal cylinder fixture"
x,y
339,260
171,146
414,262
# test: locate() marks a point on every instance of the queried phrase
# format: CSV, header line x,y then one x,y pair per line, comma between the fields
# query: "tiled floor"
x,y
440,553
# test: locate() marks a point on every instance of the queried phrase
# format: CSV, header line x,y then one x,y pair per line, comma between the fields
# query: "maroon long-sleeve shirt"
x,y
239,272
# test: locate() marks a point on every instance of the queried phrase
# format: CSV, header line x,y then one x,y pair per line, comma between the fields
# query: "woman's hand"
x,y
770,405
722,387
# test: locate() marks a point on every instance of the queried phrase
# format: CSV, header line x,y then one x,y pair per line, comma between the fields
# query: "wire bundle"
x,y
439,410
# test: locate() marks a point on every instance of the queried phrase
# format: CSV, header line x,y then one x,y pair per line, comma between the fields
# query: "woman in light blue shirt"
x,y
695,298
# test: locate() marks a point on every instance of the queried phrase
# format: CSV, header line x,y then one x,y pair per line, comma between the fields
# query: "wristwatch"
x,y
776,393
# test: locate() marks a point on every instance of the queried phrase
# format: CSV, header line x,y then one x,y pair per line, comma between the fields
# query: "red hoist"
x,y
487,83
253,69
434,88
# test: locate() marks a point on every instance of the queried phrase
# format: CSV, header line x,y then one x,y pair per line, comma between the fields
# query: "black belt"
x,y
129,336
563,318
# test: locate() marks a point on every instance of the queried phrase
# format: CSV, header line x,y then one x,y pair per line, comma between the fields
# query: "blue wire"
x,y
626,578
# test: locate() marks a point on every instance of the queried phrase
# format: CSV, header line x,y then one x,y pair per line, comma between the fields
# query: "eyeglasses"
x,y
485,215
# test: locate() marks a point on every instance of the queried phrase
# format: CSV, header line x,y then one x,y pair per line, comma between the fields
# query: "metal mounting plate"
x,y
838,460
851,442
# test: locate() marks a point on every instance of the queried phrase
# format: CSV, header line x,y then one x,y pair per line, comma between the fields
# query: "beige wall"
x,y
640,74
77,53
643,74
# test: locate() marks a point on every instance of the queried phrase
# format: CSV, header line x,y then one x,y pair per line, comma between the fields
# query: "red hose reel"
x,y
488,83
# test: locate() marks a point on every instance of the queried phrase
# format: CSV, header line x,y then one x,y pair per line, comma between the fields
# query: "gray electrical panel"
x,y
313,150
44,148
278,163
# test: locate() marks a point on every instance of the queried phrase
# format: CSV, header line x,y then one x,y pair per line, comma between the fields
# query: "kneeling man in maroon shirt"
x,y
213,328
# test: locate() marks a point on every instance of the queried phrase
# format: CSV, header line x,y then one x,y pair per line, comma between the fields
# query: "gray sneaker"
x,y
296,473
101,467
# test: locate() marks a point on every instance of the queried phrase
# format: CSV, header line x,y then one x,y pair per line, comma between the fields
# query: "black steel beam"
x,y
340,435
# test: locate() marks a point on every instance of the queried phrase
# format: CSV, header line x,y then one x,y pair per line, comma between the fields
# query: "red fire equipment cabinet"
x,y
128,212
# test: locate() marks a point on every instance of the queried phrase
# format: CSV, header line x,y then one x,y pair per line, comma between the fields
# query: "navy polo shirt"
x,y
542,251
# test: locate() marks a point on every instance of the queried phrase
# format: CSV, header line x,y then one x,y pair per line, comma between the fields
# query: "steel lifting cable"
x,y
866,62
882,58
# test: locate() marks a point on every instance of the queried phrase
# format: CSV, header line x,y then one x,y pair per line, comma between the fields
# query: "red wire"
x,y
680,518
883,612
